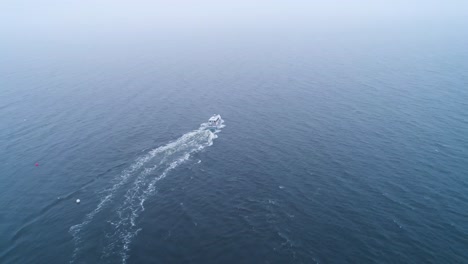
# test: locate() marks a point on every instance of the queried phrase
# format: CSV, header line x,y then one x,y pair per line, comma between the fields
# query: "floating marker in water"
x,y
37,164
78,201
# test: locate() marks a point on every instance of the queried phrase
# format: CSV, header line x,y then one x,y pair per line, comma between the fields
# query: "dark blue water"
x,y
339,146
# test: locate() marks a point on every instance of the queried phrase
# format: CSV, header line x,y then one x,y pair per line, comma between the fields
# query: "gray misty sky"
x,y
110,15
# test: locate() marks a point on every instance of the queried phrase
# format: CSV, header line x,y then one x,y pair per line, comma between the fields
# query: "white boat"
x,y
215,121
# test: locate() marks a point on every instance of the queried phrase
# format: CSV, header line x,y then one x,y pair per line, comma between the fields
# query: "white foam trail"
x,y
124,229
121,180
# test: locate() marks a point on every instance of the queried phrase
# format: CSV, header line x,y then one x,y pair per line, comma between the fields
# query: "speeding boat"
x,y
214,122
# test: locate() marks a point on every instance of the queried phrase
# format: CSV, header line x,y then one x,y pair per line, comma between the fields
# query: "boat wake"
x,y
122,203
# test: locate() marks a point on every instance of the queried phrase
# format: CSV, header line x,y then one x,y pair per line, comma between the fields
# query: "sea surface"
x,y
340,145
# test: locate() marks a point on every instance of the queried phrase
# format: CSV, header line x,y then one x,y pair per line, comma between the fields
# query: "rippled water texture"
x,y
340,146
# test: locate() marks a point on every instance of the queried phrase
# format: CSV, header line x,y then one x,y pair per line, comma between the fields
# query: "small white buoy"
x,y
78,201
